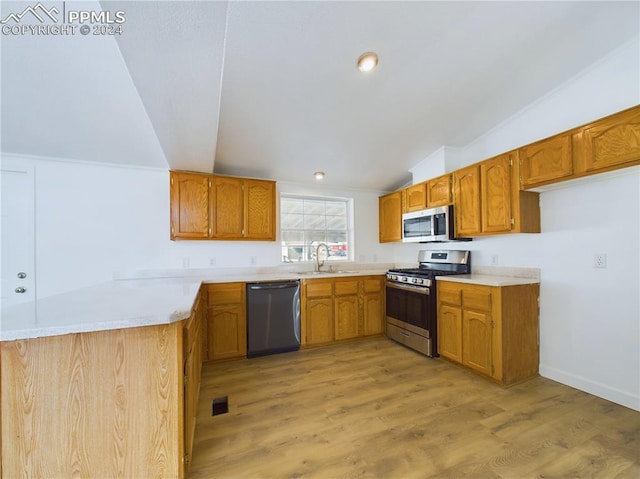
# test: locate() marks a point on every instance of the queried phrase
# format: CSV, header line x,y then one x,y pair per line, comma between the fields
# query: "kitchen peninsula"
x,y
100,382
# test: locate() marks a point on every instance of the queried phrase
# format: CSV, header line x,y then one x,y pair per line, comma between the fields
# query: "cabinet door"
x,y
346,317
450,332
390,217
190,407
495,197
439,191
477,341
228,208
613,141
467,201
319,320
546,161
189,198
373,306
227,330
260,210
415,198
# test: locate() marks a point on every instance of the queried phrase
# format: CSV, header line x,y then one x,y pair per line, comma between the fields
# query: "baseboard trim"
x,y
618,396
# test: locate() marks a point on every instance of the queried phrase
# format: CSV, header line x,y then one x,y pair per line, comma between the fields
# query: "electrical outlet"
x,y
185,262
254,260
599,260
494,260
212,261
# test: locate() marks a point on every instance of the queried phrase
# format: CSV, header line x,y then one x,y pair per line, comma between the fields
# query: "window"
x,y
307,221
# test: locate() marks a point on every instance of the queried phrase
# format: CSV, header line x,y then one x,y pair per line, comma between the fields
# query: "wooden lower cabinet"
x,y
336,309
346,308
319,315
450,332
492,330
373,305
193,350
226,321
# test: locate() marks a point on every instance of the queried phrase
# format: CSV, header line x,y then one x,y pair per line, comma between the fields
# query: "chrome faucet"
x,y
320,264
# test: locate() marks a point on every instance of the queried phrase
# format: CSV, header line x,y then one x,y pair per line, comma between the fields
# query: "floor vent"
x,y
220,406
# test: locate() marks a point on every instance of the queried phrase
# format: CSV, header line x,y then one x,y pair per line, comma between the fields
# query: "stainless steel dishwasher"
x,y
273,318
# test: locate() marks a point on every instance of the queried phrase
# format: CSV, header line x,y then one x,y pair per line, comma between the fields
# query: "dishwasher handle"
x,y
259,286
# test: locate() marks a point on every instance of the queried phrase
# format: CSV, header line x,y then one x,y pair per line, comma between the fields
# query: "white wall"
x,y
96,220
589,318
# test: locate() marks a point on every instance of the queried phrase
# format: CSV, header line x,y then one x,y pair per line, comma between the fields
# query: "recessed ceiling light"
x,y
319,175
367,62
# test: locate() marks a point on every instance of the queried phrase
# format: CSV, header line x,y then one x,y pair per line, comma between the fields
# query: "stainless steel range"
x,y
411,298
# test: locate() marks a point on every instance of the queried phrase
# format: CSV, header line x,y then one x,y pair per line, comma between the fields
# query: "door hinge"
x,y
242,231
210,233
172,180
186,459
510,161
209,183
185,379
493,324
493,369
513,221
173,231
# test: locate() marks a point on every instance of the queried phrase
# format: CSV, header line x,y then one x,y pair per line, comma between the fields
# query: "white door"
x,y
17,233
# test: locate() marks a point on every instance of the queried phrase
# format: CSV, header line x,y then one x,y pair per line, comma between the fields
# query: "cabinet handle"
x,y
406,335
21,289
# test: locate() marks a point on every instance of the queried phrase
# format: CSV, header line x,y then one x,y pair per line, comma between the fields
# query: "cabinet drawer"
x,y
449,293
225,293
315,289
409,338
372,285
346,287
477,297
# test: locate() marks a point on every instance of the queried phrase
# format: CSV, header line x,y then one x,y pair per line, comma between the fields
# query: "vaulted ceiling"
x,y
270,89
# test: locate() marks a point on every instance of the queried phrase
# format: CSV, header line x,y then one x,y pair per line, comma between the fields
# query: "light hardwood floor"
x,y
374,409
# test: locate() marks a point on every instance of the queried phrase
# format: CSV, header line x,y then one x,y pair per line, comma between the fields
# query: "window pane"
x,y
336,223
313,207
314,222
291,221
339,209
290,205
292,236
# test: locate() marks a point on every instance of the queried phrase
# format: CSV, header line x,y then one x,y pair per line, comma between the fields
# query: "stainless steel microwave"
x,y
431,225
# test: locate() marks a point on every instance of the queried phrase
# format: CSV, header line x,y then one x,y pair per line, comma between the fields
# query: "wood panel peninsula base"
x,y
104,404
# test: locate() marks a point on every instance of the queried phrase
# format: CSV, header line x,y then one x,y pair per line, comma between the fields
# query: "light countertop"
x,y
488,279
126,303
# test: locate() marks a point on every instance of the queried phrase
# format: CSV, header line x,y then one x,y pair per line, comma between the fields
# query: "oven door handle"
x,y
413,289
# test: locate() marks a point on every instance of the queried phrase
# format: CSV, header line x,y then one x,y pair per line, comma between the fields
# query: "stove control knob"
x,y
404,278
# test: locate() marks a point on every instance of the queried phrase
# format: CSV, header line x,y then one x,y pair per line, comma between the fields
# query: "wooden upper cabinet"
x,y
222,207
495,194
466,183
610,143
228,207
415,197
190,212
439,191
390,217
546,161
260,210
